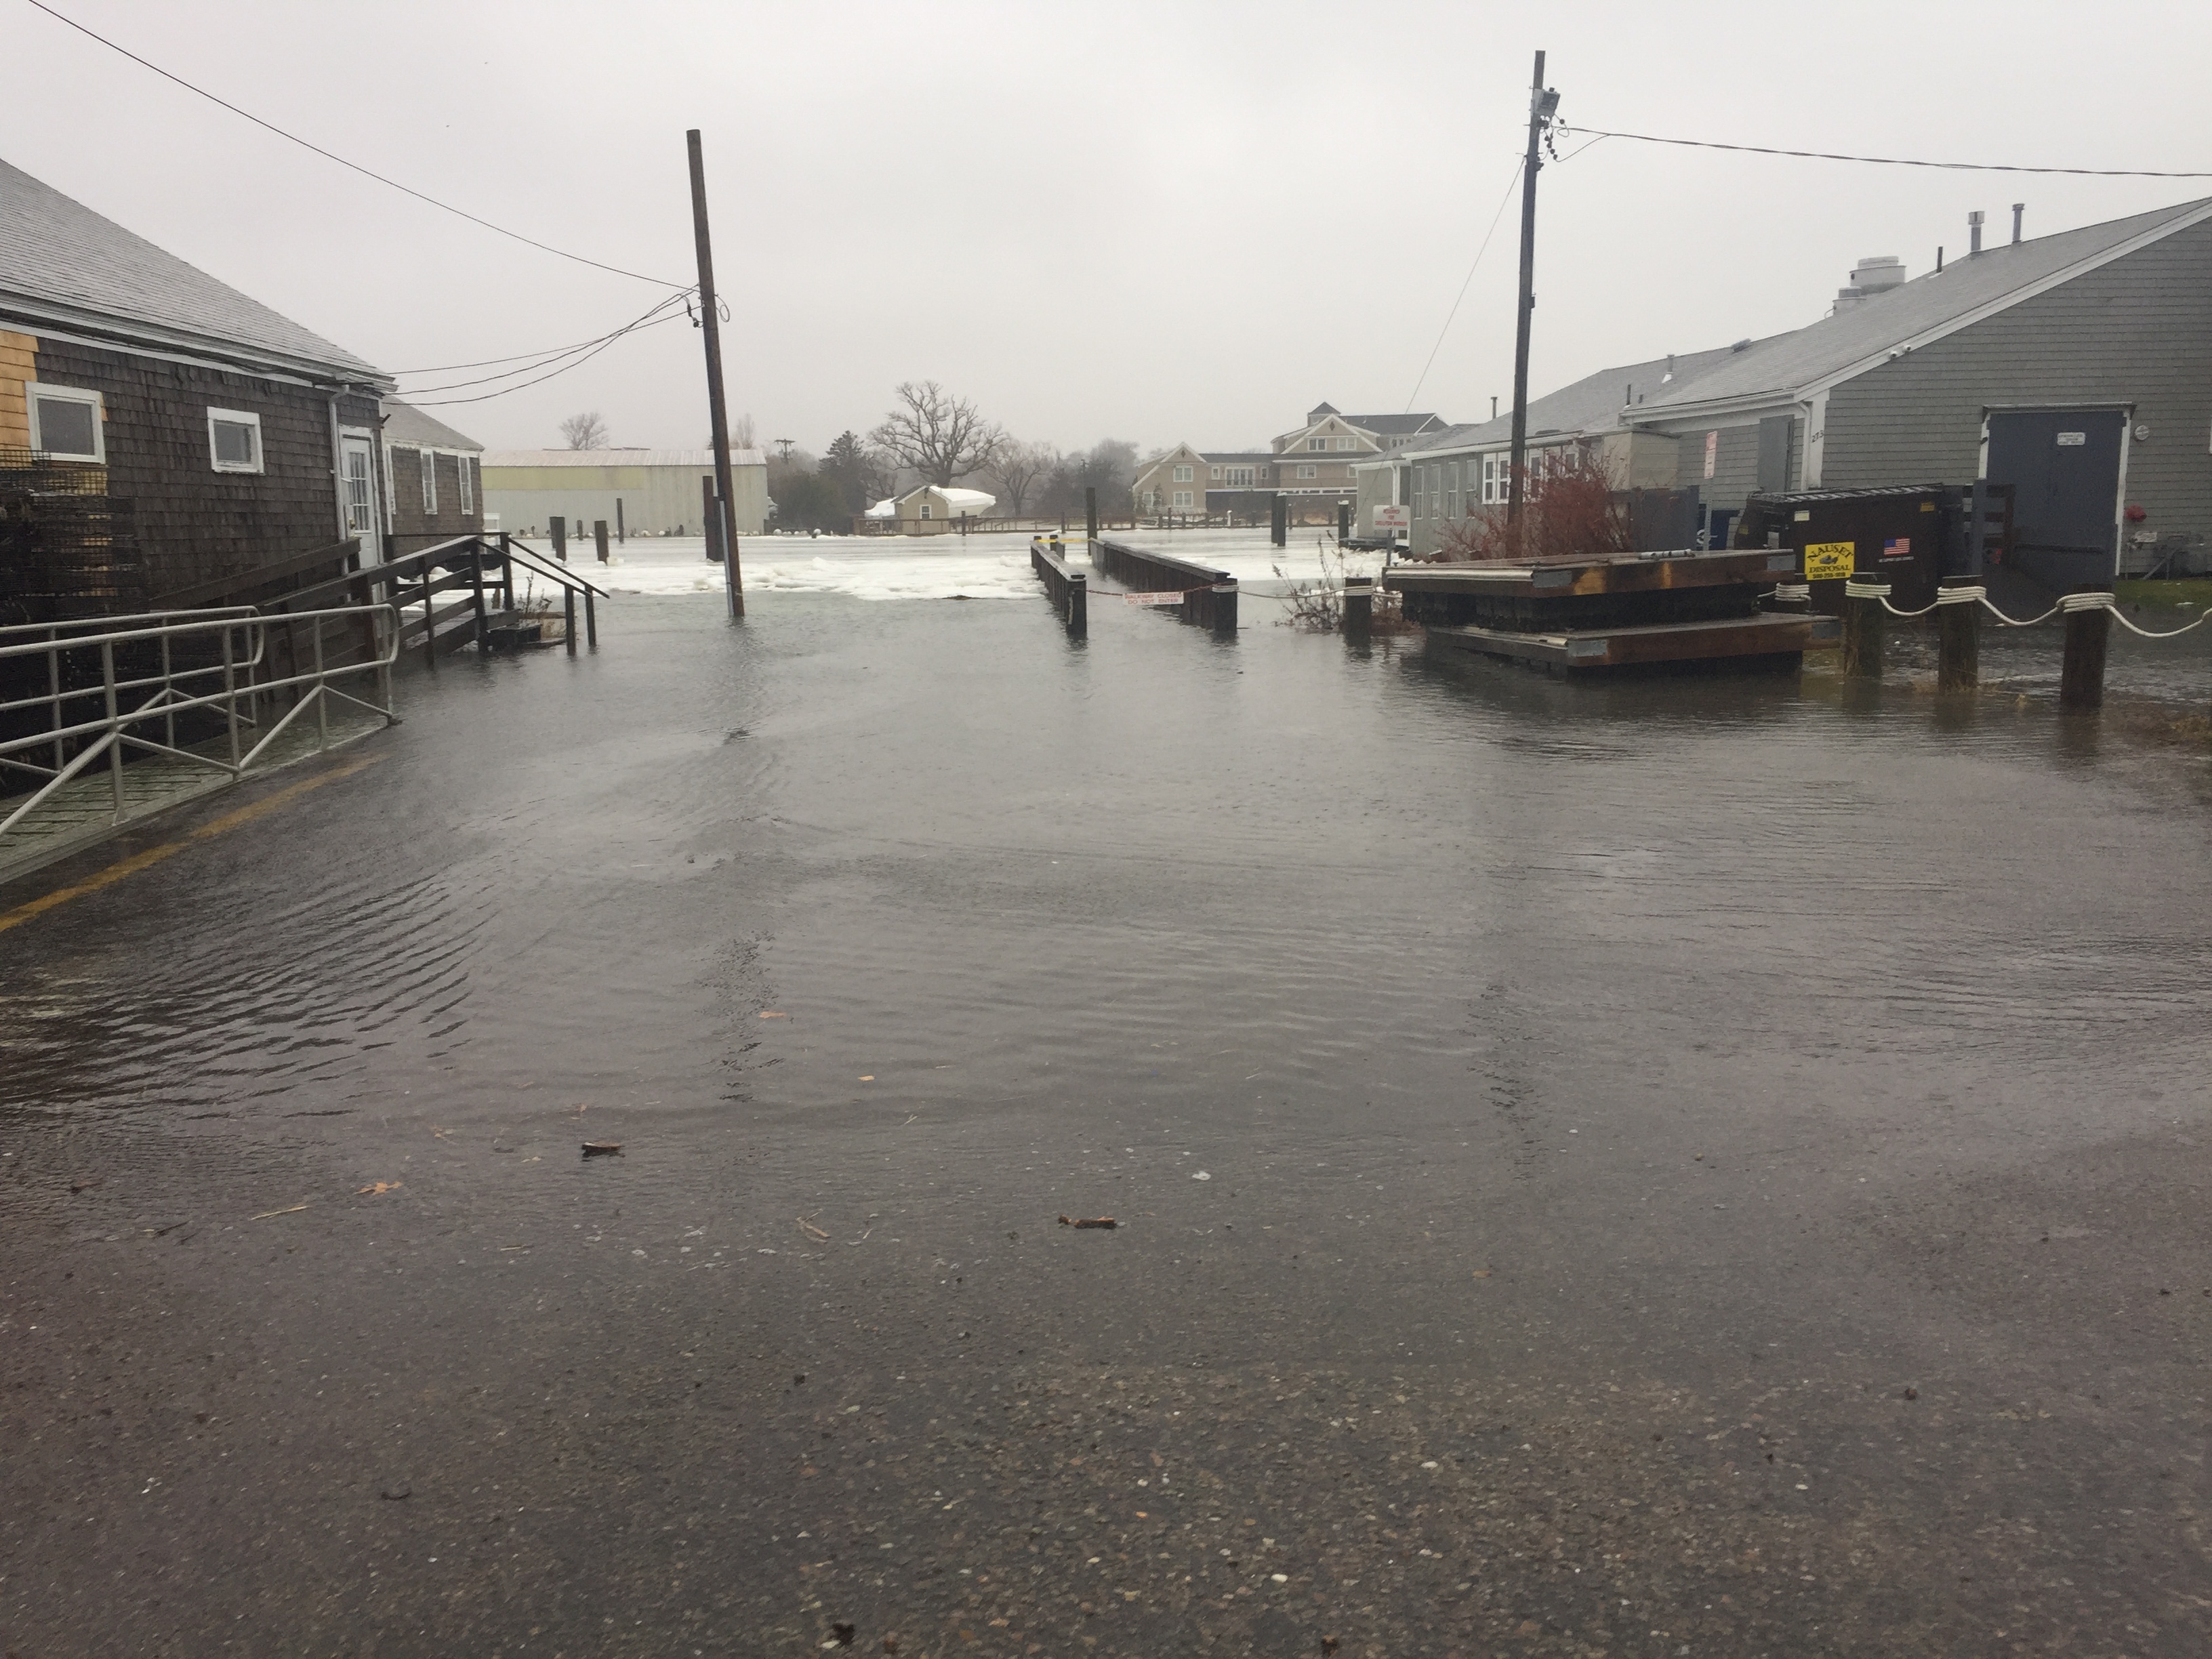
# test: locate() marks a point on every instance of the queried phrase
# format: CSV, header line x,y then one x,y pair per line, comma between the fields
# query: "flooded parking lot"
x,y
1707,1166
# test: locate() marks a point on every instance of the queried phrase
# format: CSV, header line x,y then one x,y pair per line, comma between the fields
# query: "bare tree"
x,y
742,434
941,436
585,431
1016,470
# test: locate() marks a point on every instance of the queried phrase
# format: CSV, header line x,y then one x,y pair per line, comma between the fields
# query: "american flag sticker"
x,y
1897,547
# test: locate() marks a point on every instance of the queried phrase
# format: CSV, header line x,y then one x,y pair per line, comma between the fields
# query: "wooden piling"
x,y
1861,637
599,538
621,535
1958,640
556,526
2082,680
483,618
1079,606
506,570
591,622
1359,607
568,632
1278,530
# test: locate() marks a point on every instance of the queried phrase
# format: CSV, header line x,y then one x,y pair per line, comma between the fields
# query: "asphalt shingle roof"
x,y
62,261
404,423
1881,321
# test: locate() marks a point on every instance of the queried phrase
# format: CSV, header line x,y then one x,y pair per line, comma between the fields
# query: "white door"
x,y
357,480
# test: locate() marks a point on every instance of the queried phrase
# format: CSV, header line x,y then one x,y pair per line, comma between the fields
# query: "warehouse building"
x,y
639,492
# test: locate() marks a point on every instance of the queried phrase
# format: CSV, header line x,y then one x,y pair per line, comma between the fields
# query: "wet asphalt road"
x,y
1707,1167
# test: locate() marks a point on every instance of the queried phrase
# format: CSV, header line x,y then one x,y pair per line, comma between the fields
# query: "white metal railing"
x,y
141,684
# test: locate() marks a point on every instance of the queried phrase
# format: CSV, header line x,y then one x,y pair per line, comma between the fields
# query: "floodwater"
x,y
1694,1165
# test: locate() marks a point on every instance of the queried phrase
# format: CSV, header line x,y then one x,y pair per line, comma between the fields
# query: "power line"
x,y
576,362
649,320
294,138
1594,133
1478,252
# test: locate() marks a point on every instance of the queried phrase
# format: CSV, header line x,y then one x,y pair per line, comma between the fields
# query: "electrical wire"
x,y
294,138
1478,252
1878,160
483,397
649,320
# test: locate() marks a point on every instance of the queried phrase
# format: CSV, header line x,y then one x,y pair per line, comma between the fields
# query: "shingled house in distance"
x,y
239,452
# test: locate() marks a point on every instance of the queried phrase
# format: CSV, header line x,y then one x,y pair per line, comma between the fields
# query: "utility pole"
x,y
711,320
1541,105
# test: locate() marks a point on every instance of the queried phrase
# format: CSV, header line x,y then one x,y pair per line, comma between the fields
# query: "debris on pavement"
x,y
266,1214
395,1493
843,1632
811,1231
1089,1221
603,1149
377,1189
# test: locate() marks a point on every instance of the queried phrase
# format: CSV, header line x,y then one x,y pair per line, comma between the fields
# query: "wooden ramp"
x,y
82,812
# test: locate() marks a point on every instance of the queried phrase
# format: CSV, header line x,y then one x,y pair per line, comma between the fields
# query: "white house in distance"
x,y
644,492
932,510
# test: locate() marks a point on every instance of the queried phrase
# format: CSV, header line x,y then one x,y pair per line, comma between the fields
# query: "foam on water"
x,y
979,566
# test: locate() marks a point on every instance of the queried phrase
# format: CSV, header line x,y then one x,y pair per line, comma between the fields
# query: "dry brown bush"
x,y
1570,508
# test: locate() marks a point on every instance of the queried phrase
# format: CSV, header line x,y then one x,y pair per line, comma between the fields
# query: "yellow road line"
x,y
138,861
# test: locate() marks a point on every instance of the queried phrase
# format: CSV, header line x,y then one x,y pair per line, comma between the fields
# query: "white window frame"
x,y
1306,470
34,390
1217,475
427,461
1182,498
1316,443
245,418
1343,443
1182,474
468,486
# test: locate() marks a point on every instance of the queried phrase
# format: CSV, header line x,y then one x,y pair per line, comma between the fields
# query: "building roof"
x,y
1595,402
1238,457
964,500
62,264
404,423
1391,425
685,458
1863,334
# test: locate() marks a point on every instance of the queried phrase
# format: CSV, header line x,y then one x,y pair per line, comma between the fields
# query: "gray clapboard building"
x,y
2076,368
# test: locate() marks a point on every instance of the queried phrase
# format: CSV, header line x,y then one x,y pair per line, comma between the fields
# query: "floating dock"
x,y
1617,610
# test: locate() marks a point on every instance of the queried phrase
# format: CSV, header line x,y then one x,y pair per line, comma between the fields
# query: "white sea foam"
x,y
977,567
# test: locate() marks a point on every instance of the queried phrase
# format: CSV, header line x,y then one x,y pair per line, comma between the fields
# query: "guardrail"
x,y
1068,589
144,671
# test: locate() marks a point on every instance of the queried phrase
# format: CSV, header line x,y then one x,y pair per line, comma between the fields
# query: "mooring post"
x,y
558,527
2089,633
622,536
1078,605
599,538
591,622
1959,634
1278,525
1090,512
568,631
1862,630
1359,607
1343,522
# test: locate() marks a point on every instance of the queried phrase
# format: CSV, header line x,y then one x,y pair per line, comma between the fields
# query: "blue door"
x,y
2064,466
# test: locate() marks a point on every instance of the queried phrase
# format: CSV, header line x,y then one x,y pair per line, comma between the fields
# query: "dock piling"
x,y
1359,607
1862,629
2088,634
1090,512
599,538
1958,635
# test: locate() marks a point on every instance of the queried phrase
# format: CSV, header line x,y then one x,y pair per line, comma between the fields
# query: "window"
x,y
925,509
1182,474
1343,443
1451,490
65,423
429,463
1240,477
468,485
1496,474
234,441
1182,497
1217,475
1309,471
1316,443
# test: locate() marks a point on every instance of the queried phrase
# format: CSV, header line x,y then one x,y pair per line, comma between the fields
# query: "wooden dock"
x,y
1616,611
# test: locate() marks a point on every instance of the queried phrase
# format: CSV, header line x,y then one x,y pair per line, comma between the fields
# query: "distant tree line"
x,y
931,435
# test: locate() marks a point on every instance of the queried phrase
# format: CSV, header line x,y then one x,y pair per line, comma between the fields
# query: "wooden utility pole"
x,y
1540,105
711,320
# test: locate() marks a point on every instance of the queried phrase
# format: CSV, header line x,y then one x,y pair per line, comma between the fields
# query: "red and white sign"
x,y
1394,518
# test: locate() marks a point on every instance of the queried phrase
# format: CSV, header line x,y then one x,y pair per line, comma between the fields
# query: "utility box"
x,y
1910,536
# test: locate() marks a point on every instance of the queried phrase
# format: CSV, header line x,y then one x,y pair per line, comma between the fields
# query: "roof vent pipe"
x,y
1973,233
2018,208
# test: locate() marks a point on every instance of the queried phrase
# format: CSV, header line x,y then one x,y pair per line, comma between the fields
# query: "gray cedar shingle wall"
x,y
415,528
2139,330
195,523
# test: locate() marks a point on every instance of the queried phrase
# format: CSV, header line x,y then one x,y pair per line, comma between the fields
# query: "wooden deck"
x,y
81,813
1735,637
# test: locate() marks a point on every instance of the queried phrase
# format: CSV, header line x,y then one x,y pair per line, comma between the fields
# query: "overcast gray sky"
x,y
1147,221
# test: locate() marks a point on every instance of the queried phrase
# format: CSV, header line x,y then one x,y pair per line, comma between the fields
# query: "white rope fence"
x,y
2068,605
